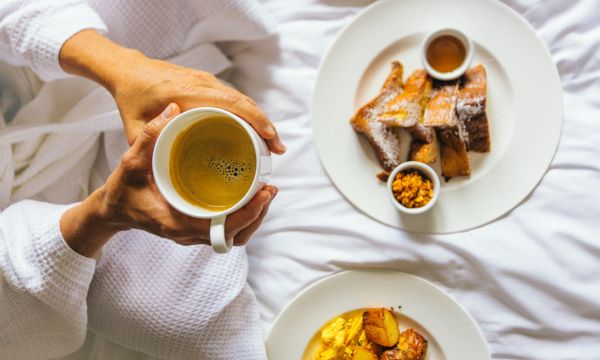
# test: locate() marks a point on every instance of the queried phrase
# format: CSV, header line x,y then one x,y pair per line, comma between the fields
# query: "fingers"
x,y
247,110
276,146
242,237
144,144
249,213
138,157
168,222
244,107
240,225
132,129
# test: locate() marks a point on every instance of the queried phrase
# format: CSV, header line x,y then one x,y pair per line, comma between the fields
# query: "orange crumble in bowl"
x,y
412,189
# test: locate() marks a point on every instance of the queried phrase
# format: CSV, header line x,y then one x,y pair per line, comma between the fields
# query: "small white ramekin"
x,y
459,71
425,169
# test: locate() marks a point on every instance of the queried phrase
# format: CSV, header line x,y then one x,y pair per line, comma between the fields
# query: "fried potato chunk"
x,y
361,353
381,327
411,346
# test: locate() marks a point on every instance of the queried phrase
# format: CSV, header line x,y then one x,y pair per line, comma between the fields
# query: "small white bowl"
x,y
427,171
459,71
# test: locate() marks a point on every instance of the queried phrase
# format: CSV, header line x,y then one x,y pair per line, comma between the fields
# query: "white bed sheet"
x,y
530,279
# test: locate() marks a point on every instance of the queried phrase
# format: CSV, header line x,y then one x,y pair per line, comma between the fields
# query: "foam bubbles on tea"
x,y
231,170
213,163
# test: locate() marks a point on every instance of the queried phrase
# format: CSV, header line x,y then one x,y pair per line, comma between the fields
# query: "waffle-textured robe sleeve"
x,y
43,284
32,32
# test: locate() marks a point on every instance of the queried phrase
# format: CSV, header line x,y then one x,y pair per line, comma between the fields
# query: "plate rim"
x,y
374,271
506,210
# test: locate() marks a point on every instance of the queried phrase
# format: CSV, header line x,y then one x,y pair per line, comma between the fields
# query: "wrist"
x,y
120,69
93,56
87,227
106,214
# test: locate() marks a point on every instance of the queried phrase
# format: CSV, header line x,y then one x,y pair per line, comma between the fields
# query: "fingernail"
x,y
270,198
269,131
167,112
279,149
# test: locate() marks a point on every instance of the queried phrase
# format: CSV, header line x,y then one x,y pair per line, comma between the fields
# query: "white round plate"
x,y
450,331
524,108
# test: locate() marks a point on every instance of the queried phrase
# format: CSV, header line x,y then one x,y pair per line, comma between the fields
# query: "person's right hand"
x,y
149,85
130,199
143,87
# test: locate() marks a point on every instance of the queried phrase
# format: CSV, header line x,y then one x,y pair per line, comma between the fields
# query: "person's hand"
x,y
143,87
152,84
130,199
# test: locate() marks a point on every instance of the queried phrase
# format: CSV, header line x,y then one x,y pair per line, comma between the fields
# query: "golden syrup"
x,y
446,53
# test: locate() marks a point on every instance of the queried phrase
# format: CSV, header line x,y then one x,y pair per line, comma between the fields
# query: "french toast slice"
x,y
423,152
440,114
471,110
423,147
406,108
380,135
420,82
422,133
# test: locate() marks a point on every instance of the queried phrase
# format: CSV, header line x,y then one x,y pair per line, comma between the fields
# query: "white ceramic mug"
x,y
161,169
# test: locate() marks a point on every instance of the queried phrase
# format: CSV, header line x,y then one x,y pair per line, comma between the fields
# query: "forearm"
x,y
91,55
43,284
86,227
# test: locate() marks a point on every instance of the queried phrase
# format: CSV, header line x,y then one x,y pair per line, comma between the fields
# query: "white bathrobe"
x,y
146,297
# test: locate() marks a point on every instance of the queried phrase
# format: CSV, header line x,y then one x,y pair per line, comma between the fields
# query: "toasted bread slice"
x,y
423,147
455,161
406,108
381,136
440,113
470,108
423,152
422,133
440,110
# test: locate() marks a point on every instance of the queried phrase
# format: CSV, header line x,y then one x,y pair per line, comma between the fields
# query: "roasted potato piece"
x,y
393,354
361,353
381,327
377,349
411,345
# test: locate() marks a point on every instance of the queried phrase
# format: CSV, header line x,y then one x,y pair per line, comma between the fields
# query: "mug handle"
x,y
217,235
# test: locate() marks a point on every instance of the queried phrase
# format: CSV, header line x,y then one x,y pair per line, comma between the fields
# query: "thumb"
x,y
144,144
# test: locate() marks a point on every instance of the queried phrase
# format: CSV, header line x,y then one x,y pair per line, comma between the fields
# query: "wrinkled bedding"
x,y
531,279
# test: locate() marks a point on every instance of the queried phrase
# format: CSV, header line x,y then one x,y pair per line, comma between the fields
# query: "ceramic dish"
x,y
525,121
450,331
466,42
425,170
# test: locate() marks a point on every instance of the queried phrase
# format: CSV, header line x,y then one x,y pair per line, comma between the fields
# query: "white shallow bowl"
x,y
459,71
450,331
427,171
